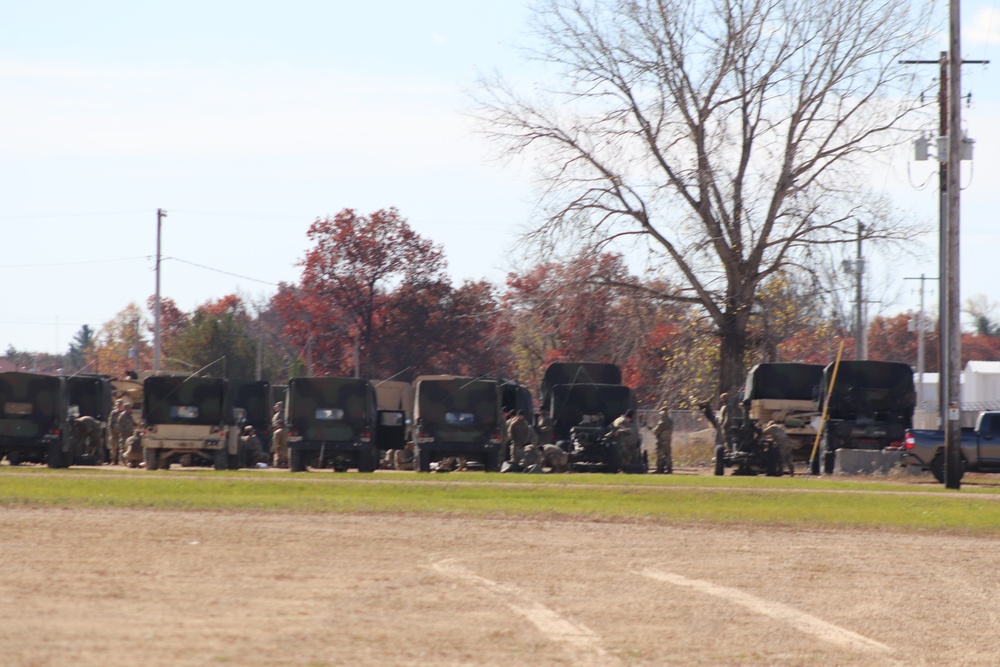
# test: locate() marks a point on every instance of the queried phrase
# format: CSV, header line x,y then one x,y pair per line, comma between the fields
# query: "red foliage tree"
x,y
348,274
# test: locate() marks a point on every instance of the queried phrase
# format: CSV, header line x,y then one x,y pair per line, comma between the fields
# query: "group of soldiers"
x,y
124,436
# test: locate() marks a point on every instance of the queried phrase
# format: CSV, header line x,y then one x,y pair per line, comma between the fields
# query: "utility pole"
x,y
859,322
953,313
160,215
950,193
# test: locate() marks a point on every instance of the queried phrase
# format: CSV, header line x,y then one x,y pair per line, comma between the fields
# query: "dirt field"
x,y
133,587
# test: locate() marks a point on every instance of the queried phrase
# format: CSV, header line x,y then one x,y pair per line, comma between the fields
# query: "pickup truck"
x,y
980,447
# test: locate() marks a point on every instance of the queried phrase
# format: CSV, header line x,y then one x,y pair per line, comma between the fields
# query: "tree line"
x,y
374,299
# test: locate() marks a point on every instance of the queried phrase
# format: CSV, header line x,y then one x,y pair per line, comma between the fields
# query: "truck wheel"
x,y
366,461
14,458
296,461
221,459
814,465
720,460
56,457
829,462
422,458
151,457
937,467
493,461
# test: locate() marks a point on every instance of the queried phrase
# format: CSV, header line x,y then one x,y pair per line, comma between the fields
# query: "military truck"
x,y
89,396
788,394
871,405
186,416
33,419
461,416
331,422
583,399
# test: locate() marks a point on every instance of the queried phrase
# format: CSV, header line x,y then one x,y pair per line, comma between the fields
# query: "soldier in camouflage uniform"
x,y
279,437
626,434
252,446
521,435
114,435
539,457
402,459
133,449
664,432
777,434
126,427
543,425
88,436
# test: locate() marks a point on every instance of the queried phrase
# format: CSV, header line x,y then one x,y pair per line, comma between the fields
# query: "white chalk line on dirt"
x,y
799,619
583,642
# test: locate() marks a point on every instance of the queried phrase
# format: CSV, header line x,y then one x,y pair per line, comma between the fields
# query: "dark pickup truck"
x,y
980,447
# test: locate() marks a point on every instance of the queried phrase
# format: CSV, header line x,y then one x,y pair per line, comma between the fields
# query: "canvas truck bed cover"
x,y
865,388
457,409
196,401
330,408
784,381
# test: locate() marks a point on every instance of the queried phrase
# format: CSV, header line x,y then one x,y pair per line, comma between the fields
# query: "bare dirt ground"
x,y
128,587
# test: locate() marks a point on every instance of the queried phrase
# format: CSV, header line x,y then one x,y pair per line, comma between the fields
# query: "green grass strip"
x,y
726,500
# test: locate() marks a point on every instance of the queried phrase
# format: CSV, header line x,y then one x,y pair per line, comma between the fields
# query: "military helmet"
x,y
248,429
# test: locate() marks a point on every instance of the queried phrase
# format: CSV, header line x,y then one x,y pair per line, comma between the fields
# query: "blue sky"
x,y
246,121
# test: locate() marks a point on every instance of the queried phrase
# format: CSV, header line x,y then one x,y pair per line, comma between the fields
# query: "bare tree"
x,y
726,136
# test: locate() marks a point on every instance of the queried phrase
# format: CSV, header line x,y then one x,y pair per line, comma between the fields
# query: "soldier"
x,y
543,425
725,421
88,436
251,445
126,427
664,432
777,434
521,435
279,437
539,457
114,435
402,459
133,449
626,434
506,418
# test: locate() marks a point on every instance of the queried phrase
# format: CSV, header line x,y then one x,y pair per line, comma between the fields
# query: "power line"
x,y
228,273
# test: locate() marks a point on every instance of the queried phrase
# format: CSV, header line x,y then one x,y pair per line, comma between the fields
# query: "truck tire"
x,y
422,459
296,460
366,460
720,460
937,467
151,457
221,459
56,458
814,464
493,461
14,458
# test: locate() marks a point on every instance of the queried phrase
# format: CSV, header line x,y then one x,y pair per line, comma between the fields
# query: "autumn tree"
x,y
354,262
120,346
216,338
571,311
725,139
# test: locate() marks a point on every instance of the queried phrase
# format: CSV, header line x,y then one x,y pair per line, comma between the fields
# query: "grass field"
x,y
679,498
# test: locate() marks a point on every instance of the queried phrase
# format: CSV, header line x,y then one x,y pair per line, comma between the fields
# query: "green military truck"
x,y
870,406
583,399
461,416
33,421
786,393
186,416
331,422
